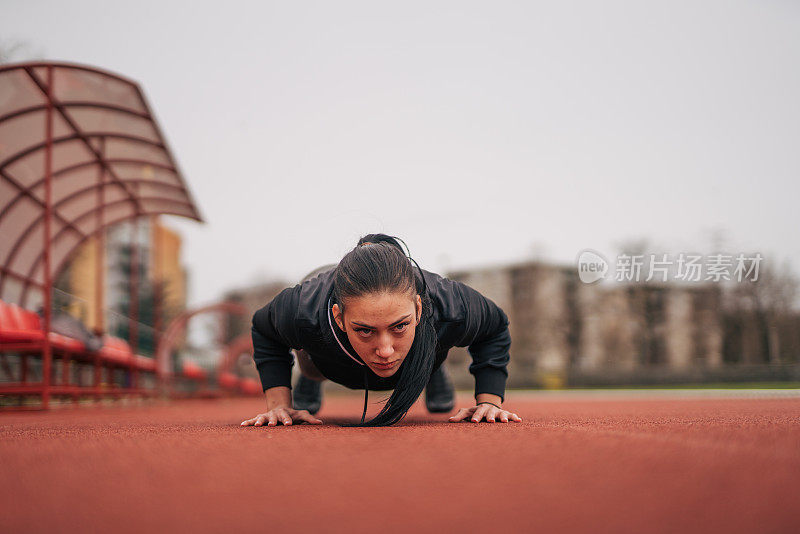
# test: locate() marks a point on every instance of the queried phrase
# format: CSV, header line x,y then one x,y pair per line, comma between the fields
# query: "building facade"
x,y
565,332
97,290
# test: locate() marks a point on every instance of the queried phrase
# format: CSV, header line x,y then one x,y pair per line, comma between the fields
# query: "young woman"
x,y
375,322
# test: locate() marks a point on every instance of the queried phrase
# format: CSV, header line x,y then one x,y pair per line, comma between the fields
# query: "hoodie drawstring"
x,y
366,392
359,362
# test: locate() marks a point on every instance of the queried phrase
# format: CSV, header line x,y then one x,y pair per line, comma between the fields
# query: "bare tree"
x,y
634,246
771,300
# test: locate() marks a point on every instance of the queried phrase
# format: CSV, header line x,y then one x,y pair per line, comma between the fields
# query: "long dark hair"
x,y
378,263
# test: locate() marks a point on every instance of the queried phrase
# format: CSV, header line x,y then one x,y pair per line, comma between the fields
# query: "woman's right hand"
x,y
284,415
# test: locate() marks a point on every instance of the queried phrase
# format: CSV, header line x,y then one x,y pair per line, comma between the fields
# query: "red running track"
x,y
573,465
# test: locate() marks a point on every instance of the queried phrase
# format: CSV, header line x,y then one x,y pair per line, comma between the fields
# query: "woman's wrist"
x,y
278,397
490,398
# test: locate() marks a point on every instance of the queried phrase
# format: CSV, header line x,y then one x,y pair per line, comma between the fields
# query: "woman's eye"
x,y
400,327
363,331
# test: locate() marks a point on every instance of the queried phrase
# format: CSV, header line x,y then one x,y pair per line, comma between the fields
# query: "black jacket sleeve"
x,y
488,340
273,333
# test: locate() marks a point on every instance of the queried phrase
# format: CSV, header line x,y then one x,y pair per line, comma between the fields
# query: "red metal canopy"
x,y
80,150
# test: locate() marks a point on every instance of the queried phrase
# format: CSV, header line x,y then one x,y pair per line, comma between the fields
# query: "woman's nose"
x,y
385,348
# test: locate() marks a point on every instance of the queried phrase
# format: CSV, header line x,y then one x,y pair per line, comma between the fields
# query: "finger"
x,y
308,418
273,419
504,417
479,413
514,417
248,422
283,416
491,413
259,420
304,415
460,415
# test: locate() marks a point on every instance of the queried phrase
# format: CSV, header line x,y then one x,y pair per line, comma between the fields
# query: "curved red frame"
x,y
122,117
92,142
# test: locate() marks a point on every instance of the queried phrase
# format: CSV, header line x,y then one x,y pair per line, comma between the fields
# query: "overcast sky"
x,y
480,132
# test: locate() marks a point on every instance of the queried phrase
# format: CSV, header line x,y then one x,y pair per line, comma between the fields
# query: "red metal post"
x,y
133,331
48,215
99,297
98,376
158,295
65,365
100,271
223,329
23,372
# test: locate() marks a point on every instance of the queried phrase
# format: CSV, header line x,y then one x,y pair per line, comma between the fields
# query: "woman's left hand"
x,y
491,413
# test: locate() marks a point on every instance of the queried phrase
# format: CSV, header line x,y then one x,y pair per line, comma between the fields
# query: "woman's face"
x,y
380,327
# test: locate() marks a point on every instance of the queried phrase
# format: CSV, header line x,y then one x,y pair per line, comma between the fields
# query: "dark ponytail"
x,y
378,263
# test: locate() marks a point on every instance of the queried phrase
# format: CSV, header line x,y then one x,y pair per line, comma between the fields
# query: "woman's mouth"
x,y
384,366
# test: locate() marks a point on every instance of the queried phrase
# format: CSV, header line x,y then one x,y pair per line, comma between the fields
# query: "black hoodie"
x,y
299,317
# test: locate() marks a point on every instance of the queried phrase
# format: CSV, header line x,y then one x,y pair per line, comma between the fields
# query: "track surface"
x,y
574,465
